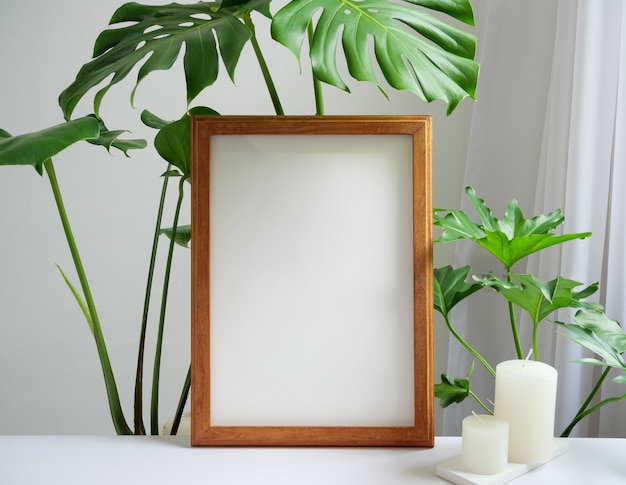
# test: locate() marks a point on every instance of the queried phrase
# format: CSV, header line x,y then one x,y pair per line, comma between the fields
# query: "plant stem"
x,y
154,407
514,330
589,411
468,347
181,403
481,403
117,415
581,412
269,82
535,334
317,85
139,425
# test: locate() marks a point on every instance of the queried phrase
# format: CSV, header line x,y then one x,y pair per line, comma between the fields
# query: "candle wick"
x,y
478,417
528,357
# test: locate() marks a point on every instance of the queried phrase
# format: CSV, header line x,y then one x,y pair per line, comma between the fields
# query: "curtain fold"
x,y
548,129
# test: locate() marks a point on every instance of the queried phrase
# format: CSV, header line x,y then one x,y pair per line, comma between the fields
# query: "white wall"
x,y
50,380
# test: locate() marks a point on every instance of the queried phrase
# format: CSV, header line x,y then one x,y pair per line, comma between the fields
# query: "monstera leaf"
x,y
111,139
173,141
415,50
37,147
158,34
182,235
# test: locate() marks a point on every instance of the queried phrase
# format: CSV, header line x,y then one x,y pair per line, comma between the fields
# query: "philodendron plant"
x,y
405,40
511,239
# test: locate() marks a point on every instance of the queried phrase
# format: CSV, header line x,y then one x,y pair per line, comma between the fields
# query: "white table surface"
x,y
93,460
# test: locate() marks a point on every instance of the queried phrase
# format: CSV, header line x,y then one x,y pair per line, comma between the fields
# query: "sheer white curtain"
x,y
549,129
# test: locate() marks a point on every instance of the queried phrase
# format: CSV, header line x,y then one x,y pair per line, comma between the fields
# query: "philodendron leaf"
x,y
456,225
513,223
173,141
450,391
598,333
183,235
610,357
451,287
415,50
610,331
510,251
35,148
157,34
510,239
540,298
489,222
513,237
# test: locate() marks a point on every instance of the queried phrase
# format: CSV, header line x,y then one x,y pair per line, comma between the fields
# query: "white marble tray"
x,y
452,470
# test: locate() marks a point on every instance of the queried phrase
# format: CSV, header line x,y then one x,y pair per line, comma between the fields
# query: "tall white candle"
x,y
526,397
484,444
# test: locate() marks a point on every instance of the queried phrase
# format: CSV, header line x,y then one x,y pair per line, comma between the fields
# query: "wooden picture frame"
x,y
312,291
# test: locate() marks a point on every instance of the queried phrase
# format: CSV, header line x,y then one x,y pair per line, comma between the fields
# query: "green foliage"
x,y
182,236
156,34
37,147
511,239
450,391
413,49
541,298
111,139
173,140
451,287
153,121
603,336
437,63
79,300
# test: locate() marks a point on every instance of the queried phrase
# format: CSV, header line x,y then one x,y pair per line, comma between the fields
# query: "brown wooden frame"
x,y
422,432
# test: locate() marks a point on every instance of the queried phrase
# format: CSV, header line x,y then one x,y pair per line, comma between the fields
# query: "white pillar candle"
x,y
526,397
484,444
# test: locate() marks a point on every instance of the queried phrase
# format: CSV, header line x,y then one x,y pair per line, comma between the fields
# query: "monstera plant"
x,y
406,41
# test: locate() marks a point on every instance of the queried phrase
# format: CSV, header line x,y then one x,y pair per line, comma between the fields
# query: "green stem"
x,y
468,347
117,415
535,343
139,425
480,403
317,85
590,411
514,330
154,406
269,82
181,403
581,412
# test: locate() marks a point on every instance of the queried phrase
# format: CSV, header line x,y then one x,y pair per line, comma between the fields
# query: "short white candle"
x,y
526,397
484,444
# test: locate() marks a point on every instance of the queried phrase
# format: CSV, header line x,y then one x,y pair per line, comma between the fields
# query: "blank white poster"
x,y
311,280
